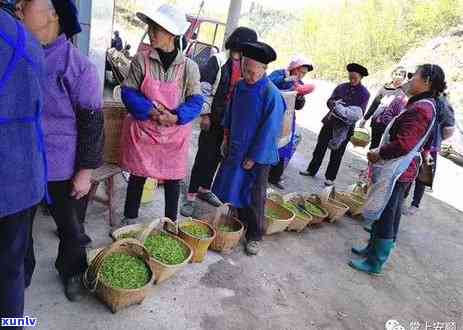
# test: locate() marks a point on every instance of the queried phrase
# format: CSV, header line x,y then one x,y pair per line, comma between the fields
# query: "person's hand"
x,y
373,156
166,118
81,183
248,164
362,123
154,115
205,123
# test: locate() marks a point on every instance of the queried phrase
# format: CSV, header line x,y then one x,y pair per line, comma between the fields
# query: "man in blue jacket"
x,y
22,165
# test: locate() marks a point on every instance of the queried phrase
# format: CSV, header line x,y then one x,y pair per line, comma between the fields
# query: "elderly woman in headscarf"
x,y
290,79
387,104
163,96
73,129
395,166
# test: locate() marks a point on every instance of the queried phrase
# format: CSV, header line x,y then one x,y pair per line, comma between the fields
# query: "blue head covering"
x,y
68,17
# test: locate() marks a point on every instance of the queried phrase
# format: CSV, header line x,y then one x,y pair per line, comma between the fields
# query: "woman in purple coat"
x,y
73,132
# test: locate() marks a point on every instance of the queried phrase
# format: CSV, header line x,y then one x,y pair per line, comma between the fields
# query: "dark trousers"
x,y
67,213
254,215
276,172
387,227
319,153
14,243
135,191
377,132
207,158
418,193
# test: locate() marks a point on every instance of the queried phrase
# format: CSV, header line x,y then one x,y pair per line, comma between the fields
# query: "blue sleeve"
x,y
278,78
265,147
136,103
190,109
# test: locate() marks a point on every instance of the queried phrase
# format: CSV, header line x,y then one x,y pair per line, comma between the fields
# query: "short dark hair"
x,y
435,75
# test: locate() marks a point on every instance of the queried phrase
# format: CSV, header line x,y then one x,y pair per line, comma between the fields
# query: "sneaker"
x,y
210,198
410,211
188,209
329,183
306,173
252,248
73,288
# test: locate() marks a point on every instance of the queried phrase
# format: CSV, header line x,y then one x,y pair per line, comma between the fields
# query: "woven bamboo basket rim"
x,y
236,221
97,262
228,215
151,230
280,207
193,221
139,227
306,216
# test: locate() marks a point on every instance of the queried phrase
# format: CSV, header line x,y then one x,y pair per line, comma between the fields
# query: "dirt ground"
x,y
299,281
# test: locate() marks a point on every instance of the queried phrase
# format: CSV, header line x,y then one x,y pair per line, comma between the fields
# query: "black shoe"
x,y
306,173
73,288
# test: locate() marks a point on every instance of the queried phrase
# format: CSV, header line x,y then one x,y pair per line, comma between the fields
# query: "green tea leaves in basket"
x,y
122,271
166,249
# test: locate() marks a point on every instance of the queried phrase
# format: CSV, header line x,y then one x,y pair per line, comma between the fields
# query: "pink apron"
x,y
149,149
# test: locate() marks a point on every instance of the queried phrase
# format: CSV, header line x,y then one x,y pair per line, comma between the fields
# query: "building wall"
x,y
96,18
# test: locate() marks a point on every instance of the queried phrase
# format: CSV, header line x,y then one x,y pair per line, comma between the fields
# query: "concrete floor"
x,y
299,281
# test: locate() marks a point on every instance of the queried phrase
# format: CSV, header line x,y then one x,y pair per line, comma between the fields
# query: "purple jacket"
x,y
351,96
71,86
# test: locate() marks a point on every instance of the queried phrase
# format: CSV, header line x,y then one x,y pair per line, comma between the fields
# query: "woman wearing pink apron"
x,y
162,94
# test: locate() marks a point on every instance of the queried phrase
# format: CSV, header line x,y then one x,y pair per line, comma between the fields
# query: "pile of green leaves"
x,y
300,213
361,136
166,249
227,228
122,271
271,213
313,209
196,230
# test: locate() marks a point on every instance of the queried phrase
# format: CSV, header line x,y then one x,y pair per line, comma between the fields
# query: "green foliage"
x,y
375,33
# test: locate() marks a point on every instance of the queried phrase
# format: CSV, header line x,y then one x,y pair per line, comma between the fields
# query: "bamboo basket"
x,y
317,219
354,201
361,137
336,209
285,217
164,271
138,228
117,299
199,245
114,114
225,242
300,222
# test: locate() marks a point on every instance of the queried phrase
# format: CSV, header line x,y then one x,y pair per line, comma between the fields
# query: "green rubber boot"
x,y
363,252
379,253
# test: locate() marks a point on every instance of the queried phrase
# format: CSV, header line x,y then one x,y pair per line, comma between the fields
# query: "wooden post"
x,y
234,13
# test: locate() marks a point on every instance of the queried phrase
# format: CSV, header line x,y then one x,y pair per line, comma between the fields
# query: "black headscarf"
x,y
68,17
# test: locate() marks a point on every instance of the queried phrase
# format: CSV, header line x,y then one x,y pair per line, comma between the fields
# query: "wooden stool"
x,y
106,174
